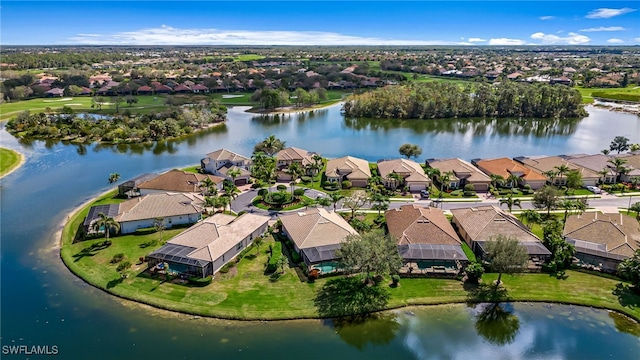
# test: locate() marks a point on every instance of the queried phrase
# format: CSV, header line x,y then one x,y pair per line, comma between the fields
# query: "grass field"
x,y
9,159
247,293
607,93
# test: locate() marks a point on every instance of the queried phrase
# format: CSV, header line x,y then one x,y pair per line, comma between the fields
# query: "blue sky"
x,y
320,23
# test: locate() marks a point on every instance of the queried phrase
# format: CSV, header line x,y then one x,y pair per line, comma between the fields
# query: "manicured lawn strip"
x,y
467,251
9,159
247,293
607,93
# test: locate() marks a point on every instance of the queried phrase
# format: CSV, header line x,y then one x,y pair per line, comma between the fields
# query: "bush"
x,y
226,267
395,278
123,266
198,281
117,258
527,187
503,192
306,179
330,186
278,198
295,257
469,193
242,212
263,192
474,272
257,184
281,187
515,191
298,192
469,187
346,184
276,254
456,193
550,267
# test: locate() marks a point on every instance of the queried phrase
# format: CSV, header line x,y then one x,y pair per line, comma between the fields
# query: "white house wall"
x,y
129,227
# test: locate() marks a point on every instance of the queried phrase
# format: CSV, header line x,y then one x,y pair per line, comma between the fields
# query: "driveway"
x,y
243,201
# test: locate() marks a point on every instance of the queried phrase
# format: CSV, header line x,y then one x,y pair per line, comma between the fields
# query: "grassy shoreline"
x,y
10,161
246,293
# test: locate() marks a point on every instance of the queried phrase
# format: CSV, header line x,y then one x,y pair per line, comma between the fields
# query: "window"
x,y
239,246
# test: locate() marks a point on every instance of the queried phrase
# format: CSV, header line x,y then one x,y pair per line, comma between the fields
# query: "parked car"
x,y
594,189
424,194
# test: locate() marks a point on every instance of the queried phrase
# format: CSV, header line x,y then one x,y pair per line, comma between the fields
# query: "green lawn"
x,y
9,159
610,93
247,293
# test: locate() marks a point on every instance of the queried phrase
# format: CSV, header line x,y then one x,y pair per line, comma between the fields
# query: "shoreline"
x,y
23,159
291,110
129,300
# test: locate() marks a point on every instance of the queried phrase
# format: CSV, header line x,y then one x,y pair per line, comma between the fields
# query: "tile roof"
x,y
293,154
484,222
619,233
460,168
411,224
542,164
159,205
356,168
224,154
506,166
411,170
595,163
316,227
178,180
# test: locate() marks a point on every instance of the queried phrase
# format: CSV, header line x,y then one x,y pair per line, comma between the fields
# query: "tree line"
x,y
434,100
66,125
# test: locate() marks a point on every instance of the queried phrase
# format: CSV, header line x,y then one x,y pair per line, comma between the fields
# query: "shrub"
x,y
515,191
298,192
456,192
527,187
331,187
550,267
306,179
469,193
474,272
503,192
242,212
295,257
257,184
281,187
395,278
276,254
226,267
469,187
278,198
263,192
346,184
117,258
123,266
198,281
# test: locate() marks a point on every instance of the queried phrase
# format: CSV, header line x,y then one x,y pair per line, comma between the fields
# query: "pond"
x,y
43,304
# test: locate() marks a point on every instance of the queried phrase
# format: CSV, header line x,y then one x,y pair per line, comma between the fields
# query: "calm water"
x,y
42,304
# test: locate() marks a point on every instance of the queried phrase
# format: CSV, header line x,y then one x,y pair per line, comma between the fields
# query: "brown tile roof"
x,y
484,222
316,227
159,205
506,166
595,163
179,181
461,169
619,233
293,154
542,164
633,160
224,154
411,224
356,168
411,170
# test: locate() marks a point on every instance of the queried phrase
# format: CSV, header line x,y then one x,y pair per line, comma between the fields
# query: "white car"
x,y
594,189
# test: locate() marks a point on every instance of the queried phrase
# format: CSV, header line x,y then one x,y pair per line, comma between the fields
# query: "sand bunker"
x,y
56,100
231,96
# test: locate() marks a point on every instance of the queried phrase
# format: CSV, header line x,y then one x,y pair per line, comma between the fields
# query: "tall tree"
x,y
107,224
335,197
496,180
619,144
294,170
410,150
546,198
562,169
574,180
630,269
618,166
510,202
530,217
270,146
506,255
372,252
561,251
355,202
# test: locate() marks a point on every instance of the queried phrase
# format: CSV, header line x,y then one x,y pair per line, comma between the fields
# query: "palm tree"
x,y
394,179
510,202
561,170
230,191
270,146
496,180
380,201
551,174
233,174
206,185
531,217
635,208
324,201
264,168
513,180
308,202
604,173
618,167
295,170
113,178
107,223
567,205
335,198
445,180
432,173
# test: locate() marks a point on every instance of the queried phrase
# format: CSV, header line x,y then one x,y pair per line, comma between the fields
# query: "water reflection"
x,y
625,324
541,128
497,323
376,329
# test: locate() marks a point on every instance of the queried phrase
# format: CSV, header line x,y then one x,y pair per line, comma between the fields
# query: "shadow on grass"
x,y
485,292
627,295
113,283
348,296
91,250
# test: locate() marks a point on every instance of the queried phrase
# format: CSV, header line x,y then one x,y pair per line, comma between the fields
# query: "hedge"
x,y
276,253
197,281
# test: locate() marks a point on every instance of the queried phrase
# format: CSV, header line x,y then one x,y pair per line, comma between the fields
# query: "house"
x,y
204,248
426,240
55,92
632,164
545,164
316,235
144,90
596,163
411,172
130,187
220,162
288,156
177,181
506,167
602,240
181,89
463,173
199,88
141,212
477,225
350,168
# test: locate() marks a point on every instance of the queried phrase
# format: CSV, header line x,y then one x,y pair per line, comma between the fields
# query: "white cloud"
x,y
604,28
605,13
506,41
167,35
546,17
476,40
637,39
615,41
571,39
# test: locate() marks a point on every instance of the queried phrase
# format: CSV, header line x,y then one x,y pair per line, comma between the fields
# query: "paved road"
x,y
243,201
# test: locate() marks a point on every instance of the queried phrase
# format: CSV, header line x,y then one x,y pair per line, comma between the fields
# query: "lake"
x,y
43,304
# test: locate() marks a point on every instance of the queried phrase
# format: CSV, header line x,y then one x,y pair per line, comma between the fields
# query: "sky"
x,y
319,22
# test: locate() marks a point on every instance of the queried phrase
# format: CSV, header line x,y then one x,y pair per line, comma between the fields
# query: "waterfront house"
x,y
463,173
506,167
546,164
130,187
595,163
316,235
632,165
426,240
477,225
602,240
288,156
178,181
204,248
410,171
350,168
220,162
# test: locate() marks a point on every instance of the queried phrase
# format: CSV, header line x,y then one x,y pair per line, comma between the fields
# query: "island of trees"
x,y
432,100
